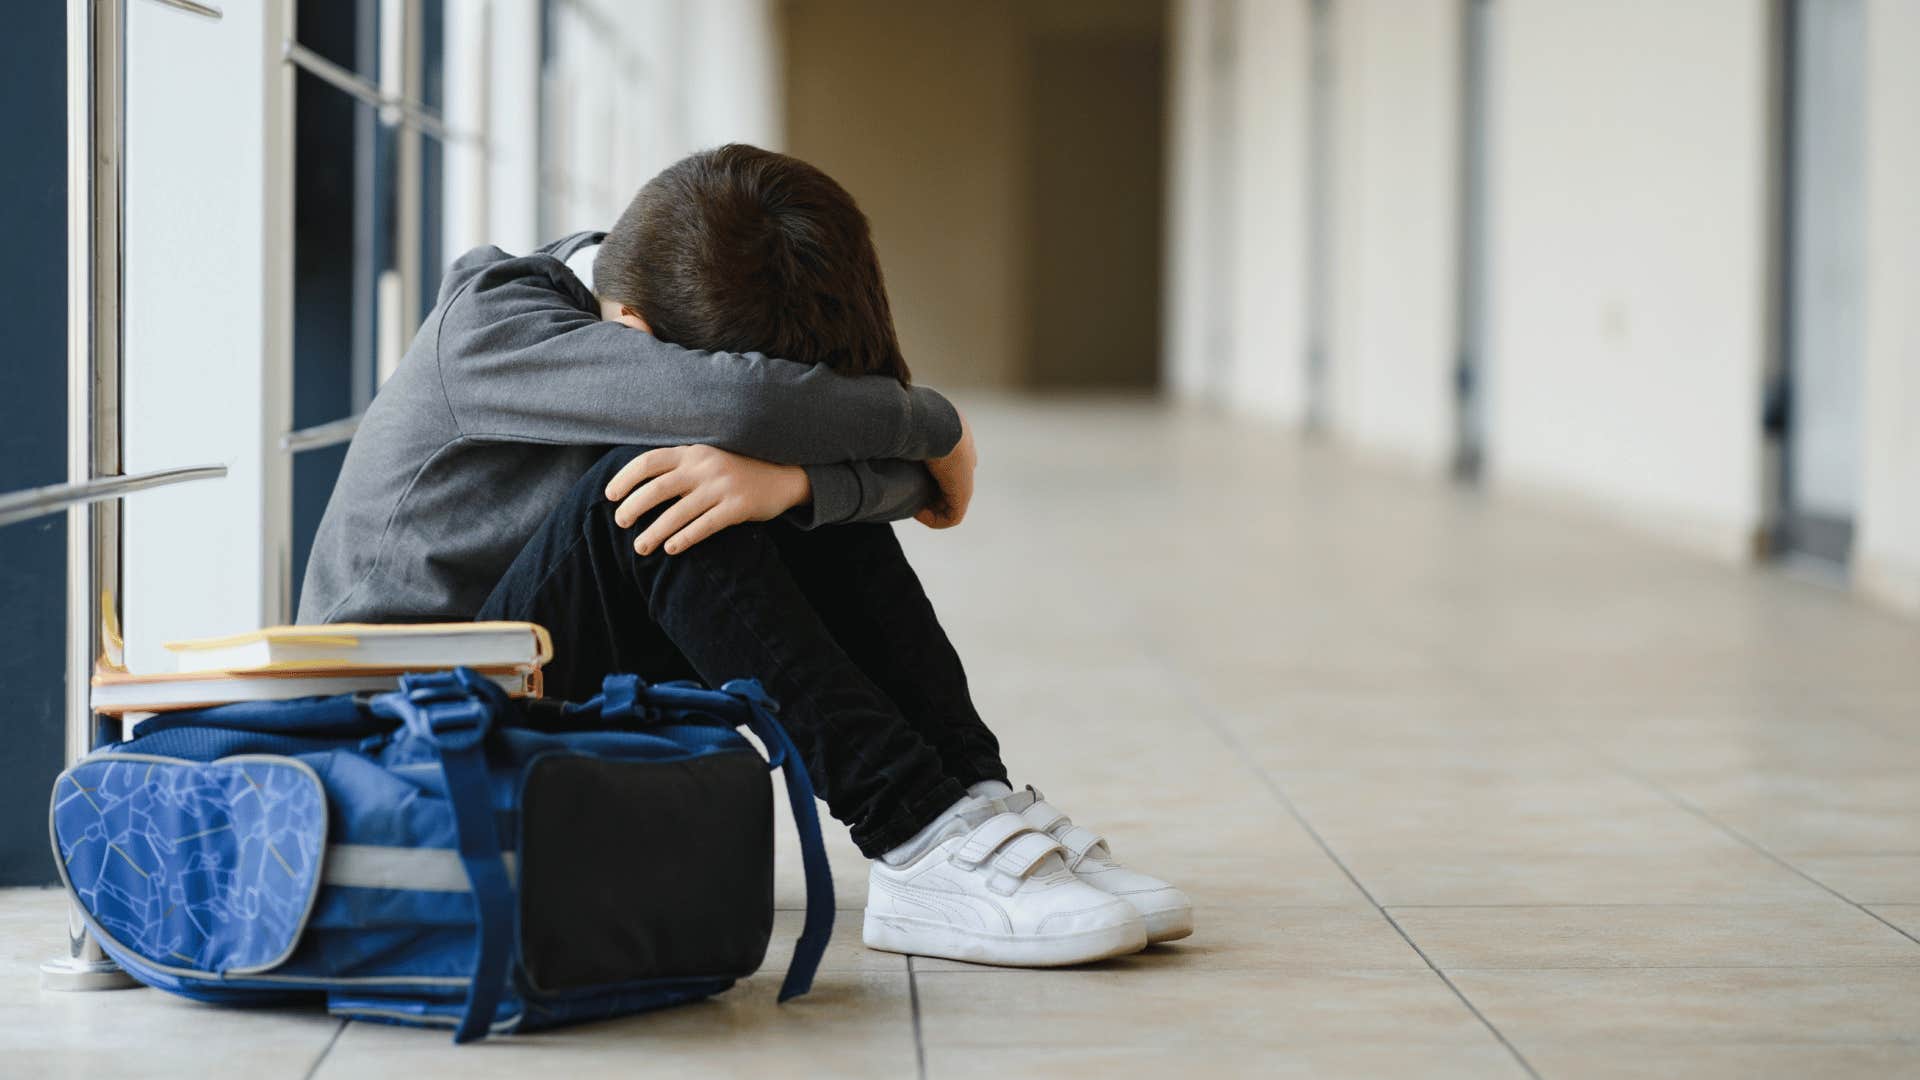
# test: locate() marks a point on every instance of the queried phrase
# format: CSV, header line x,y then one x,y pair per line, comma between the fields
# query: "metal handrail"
x,y
319,436
33,502
193,7
410,113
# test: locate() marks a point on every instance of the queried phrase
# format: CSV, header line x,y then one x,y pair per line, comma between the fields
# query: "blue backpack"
x,y
444,855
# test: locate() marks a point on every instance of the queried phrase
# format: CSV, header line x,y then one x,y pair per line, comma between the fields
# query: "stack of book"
x,y
345,658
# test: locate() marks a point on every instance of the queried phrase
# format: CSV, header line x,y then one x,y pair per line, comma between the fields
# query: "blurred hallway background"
x,y
1645,262
1464,454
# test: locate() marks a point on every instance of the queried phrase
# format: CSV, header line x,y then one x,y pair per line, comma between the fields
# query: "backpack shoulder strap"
x,y
818,928
454,709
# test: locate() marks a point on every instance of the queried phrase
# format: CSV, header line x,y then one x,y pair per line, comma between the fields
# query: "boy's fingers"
x,y
651,463
672,520
704,526
950,514
649,495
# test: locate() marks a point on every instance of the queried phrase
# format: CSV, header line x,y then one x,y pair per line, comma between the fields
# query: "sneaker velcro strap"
x,y
1020,857
1043,815
1080,840
987,838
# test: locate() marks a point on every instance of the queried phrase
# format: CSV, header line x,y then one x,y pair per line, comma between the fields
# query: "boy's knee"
x,y
587,502
589,493
613,461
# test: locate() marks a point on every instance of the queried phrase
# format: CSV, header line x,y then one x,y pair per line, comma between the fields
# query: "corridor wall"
x,y
1888,555
1395,230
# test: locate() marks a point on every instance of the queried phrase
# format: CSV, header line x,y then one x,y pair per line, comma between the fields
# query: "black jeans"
x,y
832,621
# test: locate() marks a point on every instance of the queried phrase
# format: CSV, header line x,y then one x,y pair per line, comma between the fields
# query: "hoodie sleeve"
x,y
855,491
522,357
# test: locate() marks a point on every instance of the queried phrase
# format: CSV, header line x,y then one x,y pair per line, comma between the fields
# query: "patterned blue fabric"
x,y
206,867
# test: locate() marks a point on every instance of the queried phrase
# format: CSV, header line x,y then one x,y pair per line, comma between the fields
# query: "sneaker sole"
x,y
1164,926
921,937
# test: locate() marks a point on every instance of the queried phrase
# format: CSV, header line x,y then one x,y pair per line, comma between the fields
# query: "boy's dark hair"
x,y
741,249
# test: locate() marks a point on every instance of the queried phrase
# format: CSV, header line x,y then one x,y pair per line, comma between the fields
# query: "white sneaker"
x,y
1166,910
996,893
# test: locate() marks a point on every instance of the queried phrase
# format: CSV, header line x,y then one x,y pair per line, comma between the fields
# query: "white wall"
x,y
1396,137
492,71
634,88
1629,259
638,85
1195,312
206,327
1629,323
1888,538
1268,193
734,74
513,126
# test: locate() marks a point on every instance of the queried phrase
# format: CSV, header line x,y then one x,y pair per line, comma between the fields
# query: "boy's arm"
x,y
710,489
518,361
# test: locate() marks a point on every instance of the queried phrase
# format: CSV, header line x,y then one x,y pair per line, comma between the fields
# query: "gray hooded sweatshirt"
x,y
514,386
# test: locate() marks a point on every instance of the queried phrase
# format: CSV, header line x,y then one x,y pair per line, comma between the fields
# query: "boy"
x,y
628,467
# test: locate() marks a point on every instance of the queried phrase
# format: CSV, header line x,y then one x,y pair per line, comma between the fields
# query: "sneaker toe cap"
x,y
1108,913
1144,891
1154,901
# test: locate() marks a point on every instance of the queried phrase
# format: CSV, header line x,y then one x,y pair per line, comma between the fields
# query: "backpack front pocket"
x,y
198,870
636,871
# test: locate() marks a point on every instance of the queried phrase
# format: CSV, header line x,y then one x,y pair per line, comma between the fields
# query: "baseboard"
x,y
1739,543
1893,582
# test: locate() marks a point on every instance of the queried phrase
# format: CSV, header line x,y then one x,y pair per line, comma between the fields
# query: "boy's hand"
x,y
954,475
712,488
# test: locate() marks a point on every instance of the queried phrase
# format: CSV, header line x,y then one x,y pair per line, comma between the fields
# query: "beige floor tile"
x,y
1741,737
1221,795
1847,811
1262,831
1767,1061
1243,665
1256,939
130,1032
845,952
1305,879
1290,750
848,866
1433,1061
1290,731
850,1025
1631,1006
1904,916
1866,879
1724,875
32,928
1827,934
1492,810
790,889
1456,692
1140,1008
146,1033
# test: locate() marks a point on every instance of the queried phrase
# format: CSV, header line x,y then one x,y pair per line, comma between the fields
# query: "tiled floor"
x,y
1460,788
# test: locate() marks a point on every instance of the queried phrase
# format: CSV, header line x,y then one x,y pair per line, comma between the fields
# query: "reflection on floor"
x,y
1459,788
